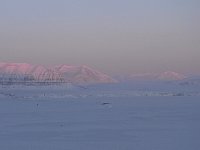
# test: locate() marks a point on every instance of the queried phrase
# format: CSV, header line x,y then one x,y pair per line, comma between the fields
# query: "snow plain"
x,y
112,117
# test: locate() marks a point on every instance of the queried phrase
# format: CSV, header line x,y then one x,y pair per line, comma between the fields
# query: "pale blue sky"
x,y
110,35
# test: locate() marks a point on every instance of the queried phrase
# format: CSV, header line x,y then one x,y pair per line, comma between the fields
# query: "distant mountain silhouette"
x,y
61,73
166,76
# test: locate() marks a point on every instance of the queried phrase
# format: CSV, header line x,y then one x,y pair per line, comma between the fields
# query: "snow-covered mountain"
x,y
60,73
83,74
164,76
170,75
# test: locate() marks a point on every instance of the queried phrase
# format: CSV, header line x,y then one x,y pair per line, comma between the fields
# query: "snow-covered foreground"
x,y
53,119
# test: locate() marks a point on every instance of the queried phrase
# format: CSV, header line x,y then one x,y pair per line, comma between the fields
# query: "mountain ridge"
x,y
60,73
163,76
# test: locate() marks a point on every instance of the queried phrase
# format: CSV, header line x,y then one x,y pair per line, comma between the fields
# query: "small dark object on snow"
x,y
105,103
37,105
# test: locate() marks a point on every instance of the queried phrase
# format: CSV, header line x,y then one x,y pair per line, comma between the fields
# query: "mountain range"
x,y
163,76
15,72
61,73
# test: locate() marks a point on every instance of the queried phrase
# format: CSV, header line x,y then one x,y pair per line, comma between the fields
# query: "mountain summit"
x,y
61,73
164,76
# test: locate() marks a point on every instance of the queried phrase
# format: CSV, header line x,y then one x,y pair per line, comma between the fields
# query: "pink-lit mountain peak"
x,y
15,67
68,73
83,73
168,75
21,68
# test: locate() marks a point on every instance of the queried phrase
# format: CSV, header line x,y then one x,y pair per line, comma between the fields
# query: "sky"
x,y
113,36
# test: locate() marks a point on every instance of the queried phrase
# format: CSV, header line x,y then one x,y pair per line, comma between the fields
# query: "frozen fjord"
x,y
49,118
